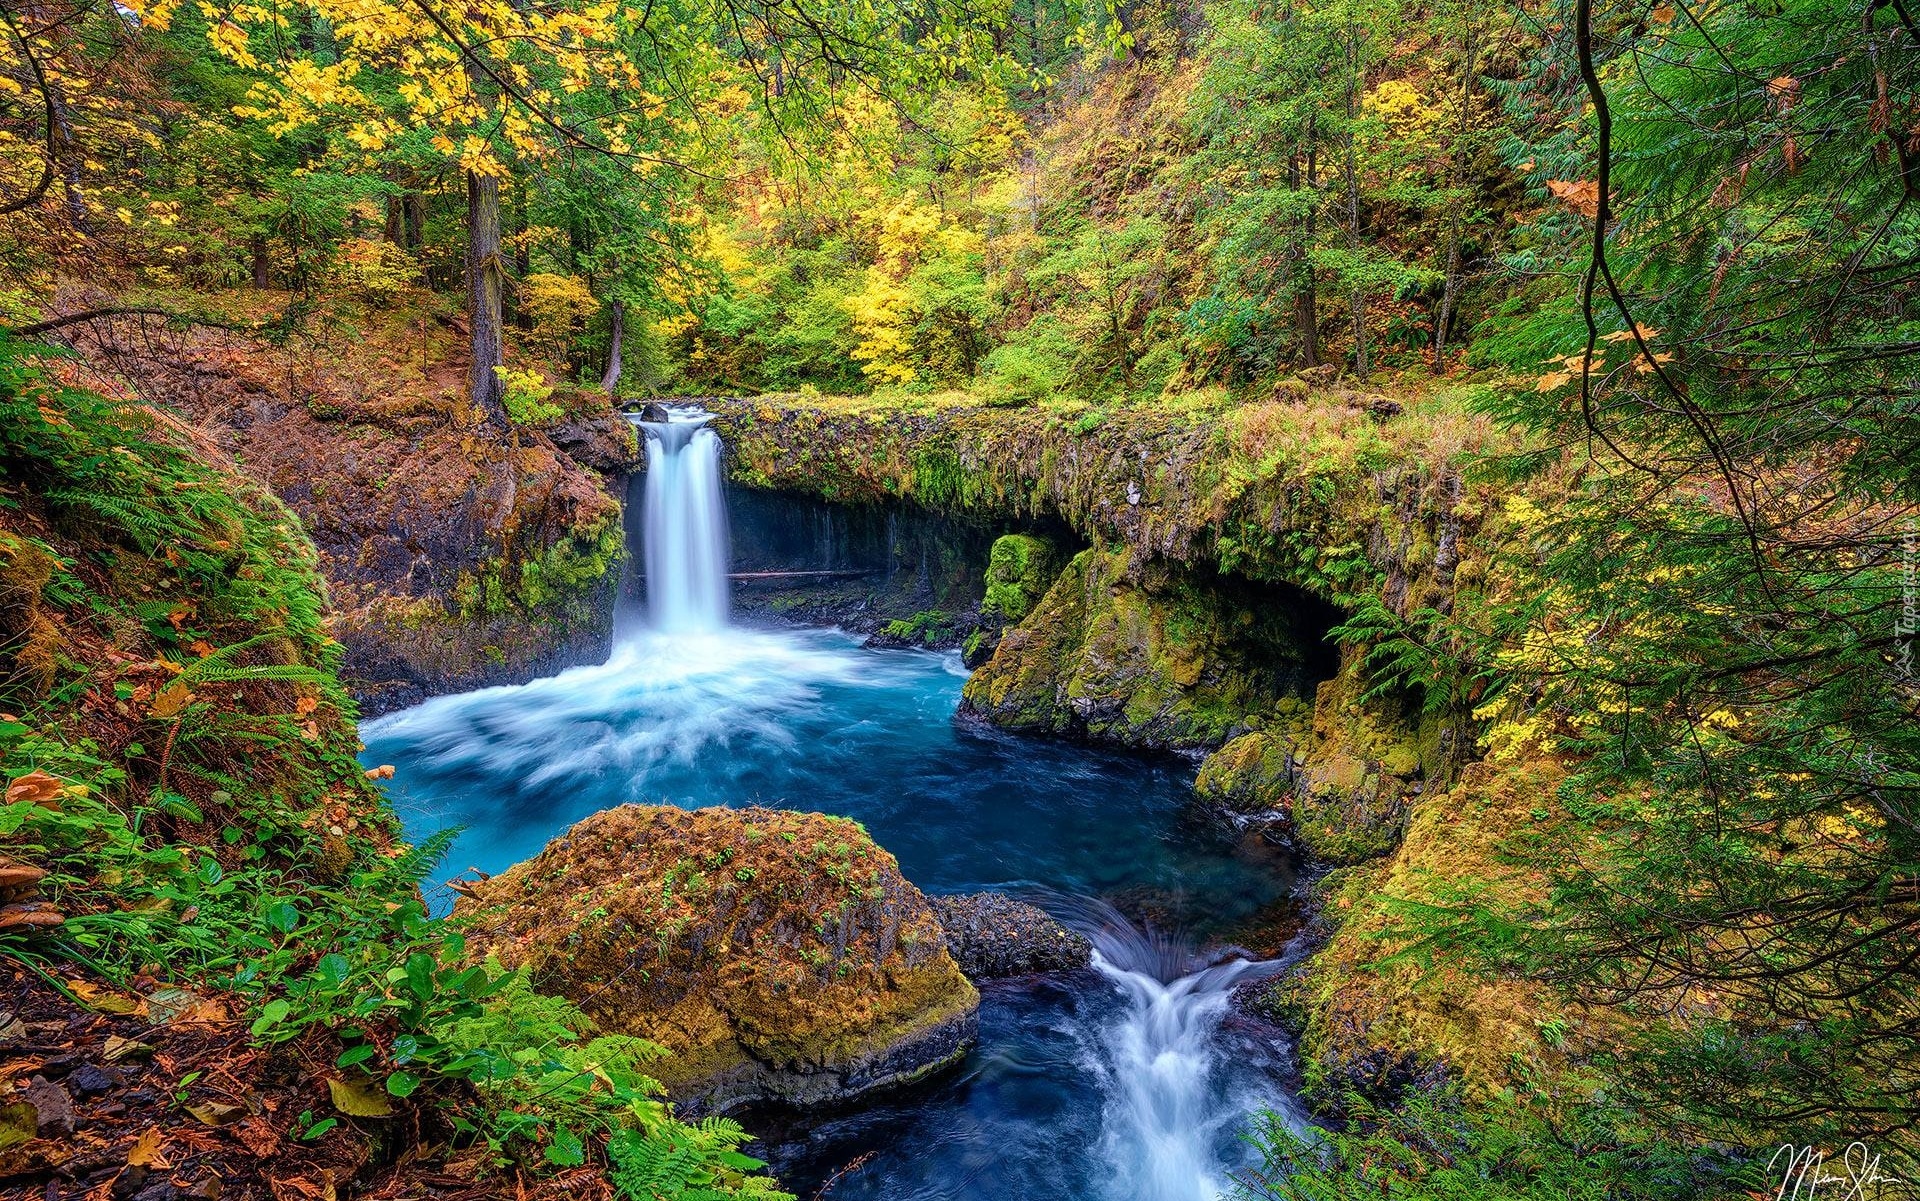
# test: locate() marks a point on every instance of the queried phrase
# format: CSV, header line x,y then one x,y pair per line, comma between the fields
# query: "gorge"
x,y
1131,1080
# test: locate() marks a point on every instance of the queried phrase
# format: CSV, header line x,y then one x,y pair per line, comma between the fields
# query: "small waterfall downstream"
x,y
1165,1108
685,514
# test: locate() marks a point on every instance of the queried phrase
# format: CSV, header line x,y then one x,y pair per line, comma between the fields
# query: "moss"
x,y
28,635
1363,1006
1149,658
1020,568
1251,774
567,570
803,951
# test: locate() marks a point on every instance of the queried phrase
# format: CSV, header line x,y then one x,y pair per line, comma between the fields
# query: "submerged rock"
x,y
991,935
777,956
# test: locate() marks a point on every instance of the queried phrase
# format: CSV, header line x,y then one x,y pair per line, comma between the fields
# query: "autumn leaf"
x,y
172,699
217,1113
1581,195
306,705
358,1101
35,788
1552,380
103,1000
1662,14
383,772
145,1152
118,1048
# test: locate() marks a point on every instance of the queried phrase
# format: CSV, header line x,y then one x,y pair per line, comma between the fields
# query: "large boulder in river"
x,y
777,956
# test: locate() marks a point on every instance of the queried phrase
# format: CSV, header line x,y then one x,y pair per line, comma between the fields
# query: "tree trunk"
x,y
67,153
393,230
415,217
1450,290
1306,304
262,266
1360,365
611,380
484,287
522,257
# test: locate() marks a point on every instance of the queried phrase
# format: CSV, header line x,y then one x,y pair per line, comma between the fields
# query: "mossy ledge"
x,y
1216,524
779,956
1315,492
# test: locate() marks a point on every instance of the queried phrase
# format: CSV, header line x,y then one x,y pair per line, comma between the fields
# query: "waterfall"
x,y
685,515
1167,1106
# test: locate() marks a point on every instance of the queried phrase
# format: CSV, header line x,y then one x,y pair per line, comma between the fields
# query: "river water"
x,y
1128,1082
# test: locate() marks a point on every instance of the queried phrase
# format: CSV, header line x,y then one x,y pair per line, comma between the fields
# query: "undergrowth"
x,y
179,757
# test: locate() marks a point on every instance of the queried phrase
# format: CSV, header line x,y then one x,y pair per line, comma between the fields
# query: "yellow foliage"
x,y
882,317
561,307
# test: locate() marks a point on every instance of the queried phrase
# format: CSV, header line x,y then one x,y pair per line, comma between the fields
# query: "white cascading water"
x,y
686,526
1167,1109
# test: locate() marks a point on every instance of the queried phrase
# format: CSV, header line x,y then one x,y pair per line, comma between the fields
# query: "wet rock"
x,y
606,442
980,645
53,1105
1139,654
991,935
1020,569
777,956
88,1079
1249,778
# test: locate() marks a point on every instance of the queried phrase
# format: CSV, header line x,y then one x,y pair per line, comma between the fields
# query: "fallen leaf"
x,y
126,1048
217,1113
306,705
103,1000
166,1005
358,1101
36,787
383,772
1661,14
145,1152
18,1123
172,699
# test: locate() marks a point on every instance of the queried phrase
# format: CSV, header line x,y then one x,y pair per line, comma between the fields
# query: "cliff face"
x,y
1225,540
455,555
1218,545
1318,492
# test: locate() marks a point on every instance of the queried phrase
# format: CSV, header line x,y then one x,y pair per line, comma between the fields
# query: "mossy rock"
x,y
777,956
1253,774
1020,569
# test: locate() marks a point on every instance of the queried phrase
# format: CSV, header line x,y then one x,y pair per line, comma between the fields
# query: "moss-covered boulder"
x,y
1252,776
1362,762
1020,569
1143,655
777,956
1374,1024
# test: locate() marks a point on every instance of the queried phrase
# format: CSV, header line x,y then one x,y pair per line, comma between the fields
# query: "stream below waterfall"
x,y
1129,1082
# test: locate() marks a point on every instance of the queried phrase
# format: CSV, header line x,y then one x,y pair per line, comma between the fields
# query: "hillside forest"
x,y
1466,455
